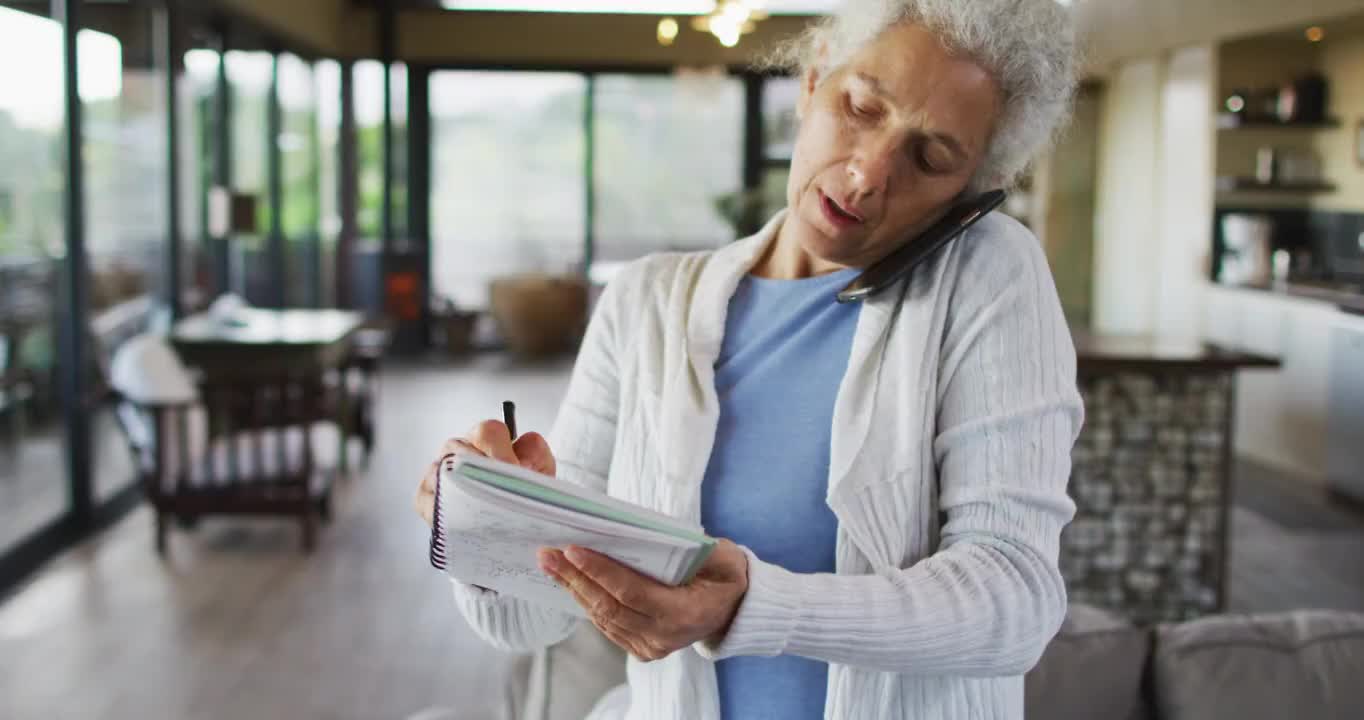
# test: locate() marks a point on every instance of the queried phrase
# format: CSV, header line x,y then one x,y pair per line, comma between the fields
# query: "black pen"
x,y
509,417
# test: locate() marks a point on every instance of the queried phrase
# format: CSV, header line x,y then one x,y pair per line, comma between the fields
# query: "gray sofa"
x,y
1304,664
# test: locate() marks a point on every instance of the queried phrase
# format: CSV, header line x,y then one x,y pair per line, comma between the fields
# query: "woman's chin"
x,y
838,250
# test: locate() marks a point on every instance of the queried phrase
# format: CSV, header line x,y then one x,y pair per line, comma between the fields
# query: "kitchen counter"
x,y
1346,296
1151,475
1115,353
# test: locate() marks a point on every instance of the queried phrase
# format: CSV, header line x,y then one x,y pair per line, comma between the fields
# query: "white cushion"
x,y
147,371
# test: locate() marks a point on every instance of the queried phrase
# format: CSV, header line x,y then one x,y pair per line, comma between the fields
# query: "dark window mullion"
x,y
275,189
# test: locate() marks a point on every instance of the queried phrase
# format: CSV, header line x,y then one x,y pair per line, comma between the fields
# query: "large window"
x,y
369,120
780,96
125,153
33,484
328,79
369,128
398,78
508,185
299,200
667,150
198,97
250,76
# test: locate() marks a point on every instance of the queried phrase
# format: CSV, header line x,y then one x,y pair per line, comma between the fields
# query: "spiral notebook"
x,y
491,517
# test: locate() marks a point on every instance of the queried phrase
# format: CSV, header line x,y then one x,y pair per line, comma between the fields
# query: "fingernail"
x,y
575,554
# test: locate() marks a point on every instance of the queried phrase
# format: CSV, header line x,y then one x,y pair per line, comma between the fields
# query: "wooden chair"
x,y
359,379
257,448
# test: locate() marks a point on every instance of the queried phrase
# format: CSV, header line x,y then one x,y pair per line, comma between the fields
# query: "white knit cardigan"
x,y
952,433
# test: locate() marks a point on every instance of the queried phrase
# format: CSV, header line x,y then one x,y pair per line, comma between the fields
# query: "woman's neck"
x,y
786,259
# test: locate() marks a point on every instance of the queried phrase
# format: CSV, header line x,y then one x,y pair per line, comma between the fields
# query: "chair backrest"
x,y
237,434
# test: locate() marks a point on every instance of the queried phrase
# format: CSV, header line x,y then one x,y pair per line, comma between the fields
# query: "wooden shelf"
x,y
1228,121
1245,184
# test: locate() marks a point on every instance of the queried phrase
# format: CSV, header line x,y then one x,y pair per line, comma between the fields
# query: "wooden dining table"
x,y
251,343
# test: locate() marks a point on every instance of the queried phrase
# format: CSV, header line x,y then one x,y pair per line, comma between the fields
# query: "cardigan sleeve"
x,y
582,441
991,597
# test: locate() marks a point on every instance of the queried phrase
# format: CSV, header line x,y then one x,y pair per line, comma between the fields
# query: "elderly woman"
x,y
890,476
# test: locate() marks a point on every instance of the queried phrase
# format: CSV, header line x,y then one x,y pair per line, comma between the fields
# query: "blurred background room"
x,y
259,258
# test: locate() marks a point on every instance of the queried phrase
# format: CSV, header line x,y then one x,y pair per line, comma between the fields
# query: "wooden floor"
x,y
33,488
238,623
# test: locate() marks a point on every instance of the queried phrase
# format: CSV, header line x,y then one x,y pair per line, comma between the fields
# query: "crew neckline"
x,y
844,275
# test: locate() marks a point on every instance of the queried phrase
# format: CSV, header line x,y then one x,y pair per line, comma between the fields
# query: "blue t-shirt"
x,y
783,358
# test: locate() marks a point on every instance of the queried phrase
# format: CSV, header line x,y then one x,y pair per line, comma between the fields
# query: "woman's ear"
x,y
810,79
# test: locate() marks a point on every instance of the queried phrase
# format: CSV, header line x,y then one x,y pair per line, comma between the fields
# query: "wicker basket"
x,y
540,315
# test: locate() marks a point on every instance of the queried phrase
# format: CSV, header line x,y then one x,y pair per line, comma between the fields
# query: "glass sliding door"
x,y
250,76
33,477
508,182
402,232
298,148
126,153
327,77
198,100
667,148
367,252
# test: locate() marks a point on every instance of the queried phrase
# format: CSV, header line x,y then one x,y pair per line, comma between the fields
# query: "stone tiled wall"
x,y
1149,485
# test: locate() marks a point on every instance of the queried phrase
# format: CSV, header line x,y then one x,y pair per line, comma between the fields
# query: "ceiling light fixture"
x,y
667,31
730,20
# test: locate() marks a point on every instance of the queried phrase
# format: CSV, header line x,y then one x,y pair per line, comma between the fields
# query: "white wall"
x,y
1153,224
1116,30
1185,183
1126,244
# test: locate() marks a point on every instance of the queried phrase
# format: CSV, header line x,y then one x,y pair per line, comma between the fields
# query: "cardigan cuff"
x,y
474,600
766,617
488,611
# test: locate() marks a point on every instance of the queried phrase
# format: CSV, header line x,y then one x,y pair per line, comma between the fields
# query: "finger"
x,y
428,483
459,446
493,439
598,603
624,638
726,563
425,500
626,643
631,589
426,507
533,451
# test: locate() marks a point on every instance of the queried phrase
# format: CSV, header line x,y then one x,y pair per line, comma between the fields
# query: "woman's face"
x,y
886,142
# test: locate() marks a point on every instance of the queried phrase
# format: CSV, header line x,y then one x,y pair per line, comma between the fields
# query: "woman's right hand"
x,y
489,438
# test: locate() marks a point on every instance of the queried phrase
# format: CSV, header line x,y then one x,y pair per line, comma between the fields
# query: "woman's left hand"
x,y
644,617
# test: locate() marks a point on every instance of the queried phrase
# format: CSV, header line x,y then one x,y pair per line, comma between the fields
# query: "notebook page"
x,y
495,547
680,552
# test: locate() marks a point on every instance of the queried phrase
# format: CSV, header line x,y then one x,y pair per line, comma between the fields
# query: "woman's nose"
x,y
870,169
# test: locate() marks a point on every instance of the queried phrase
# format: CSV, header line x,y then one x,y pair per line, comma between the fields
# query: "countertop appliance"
x,y
1246,240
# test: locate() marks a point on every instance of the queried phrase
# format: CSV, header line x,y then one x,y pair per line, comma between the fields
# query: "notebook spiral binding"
x,y
438,557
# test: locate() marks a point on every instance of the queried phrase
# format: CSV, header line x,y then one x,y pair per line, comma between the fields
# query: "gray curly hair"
x,y
1027,45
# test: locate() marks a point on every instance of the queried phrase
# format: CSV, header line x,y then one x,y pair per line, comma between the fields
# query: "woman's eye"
x,y
862,112
934,161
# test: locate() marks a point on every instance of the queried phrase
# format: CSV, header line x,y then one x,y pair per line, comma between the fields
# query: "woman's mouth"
x,y
836,215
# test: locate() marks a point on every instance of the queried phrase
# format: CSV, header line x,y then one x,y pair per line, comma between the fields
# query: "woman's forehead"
x,y
908,62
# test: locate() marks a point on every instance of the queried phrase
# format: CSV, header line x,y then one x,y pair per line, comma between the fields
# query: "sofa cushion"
x,y
1301,664
1092,669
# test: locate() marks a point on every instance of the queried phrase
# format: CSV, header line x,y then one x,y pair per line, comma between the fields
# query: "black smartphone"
x,y
896,265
